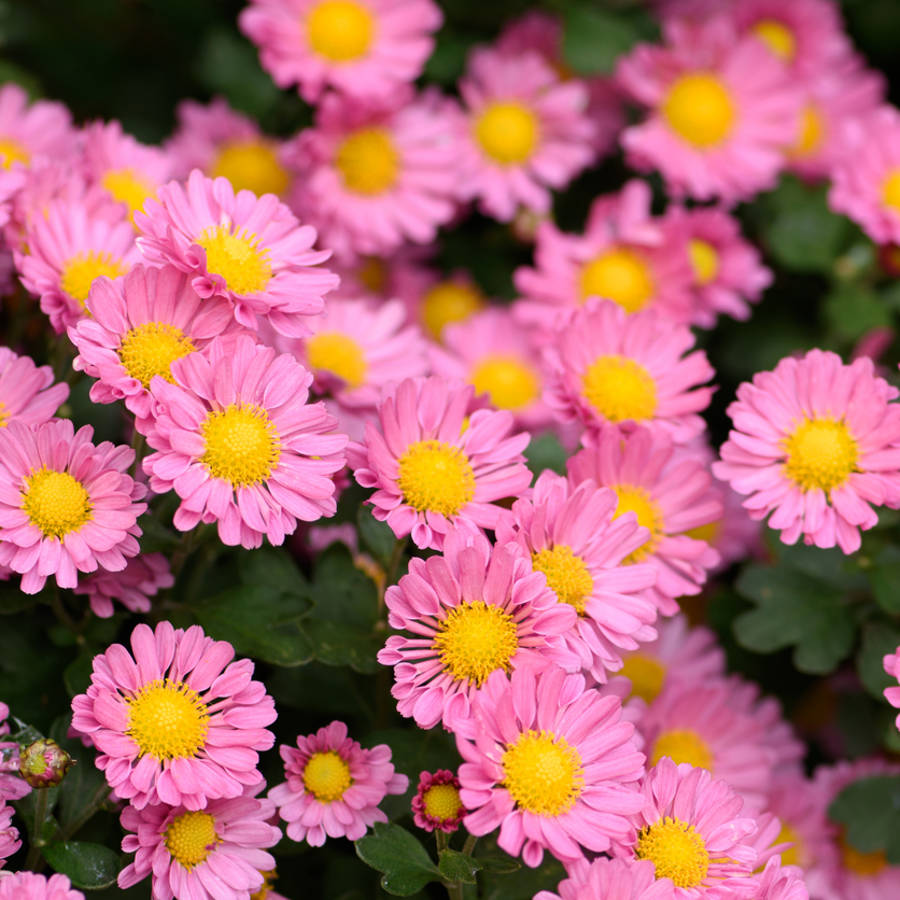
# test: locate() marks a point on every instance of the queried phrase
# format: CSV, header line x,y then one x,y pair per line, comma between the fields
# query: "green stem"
x,y
454,889
469,845
33,861
59,610
441,839
138,443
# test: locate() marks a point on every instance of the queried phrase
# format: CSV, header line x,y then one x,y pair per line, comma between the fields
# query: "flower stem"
x,y
33,861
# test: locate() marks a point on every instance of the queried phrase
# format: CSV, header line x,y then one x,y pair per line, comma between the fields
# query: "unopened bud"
x,y
44,763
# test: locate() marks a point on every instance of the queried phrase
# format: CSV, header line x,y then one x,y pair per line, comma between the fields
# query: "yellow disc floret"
x,y
326,776
11,152
646,674
704,260
340,30
507,132
251,165
620,389
436,477
368,161
449,302
620,275
129,188
237,258
332,351
811,134
151,348
263,892
676,850
700,109
476,639
793,856
821,454
638,500
682,745
55,502
890,190
507,380
442,802
777,37
542,773
859,862
79,272
567,575
167,720
242,445
191,837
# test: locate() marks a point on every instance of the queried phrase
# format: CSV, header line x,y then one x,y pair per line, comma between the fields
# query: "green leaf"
x,y
77,674
593,39
377,537
884,577
546,452
501,865
456,866
89,866
869,809
406,865
878,639
274,569
852,310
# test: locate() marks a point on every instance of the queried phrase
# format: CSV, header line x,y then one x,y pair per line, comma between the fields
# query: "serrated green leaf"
x,y
869,810
878,639
594,38
406,865
460,867
89,866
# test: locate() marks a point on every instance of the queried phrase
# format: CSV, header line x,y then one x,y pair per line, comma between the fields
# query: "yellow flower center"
x,y
251,165
507,381
151,348
791,856
436,476
567,575
890,190
620,389
676,850
4,416
476,639
646,674
811,133
191,837
638,500
708,532
326,776
167,720
12,151
865,864
331,351
542,773
704,259
373,274
442,802
821,453
777,37
619,275
448,302
699,108
80,271
340,30
129,188
242,445
55,502
368,161
237,258
682,746
507,132
263,892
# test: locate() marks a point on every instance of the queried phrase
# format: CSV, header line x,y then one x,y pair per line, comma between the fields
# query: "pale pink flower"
x,y
30,886
141,579
30,131
27,392
12,786
611,879
9,834
334,786
436,804
175,721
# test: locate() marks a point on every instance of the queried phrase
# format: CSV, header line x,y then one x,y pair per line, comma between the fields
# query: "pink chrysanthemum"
x,y
551,764
437,804
721,111
66,505
814,444
892,668
611,879
364,48
405,275
218,853
606,368
12,787
138,326
524,132
471,612
670,493
9,835
238,442
30,886
432,471
250,250
175,721
28,132
623,255
777,883
334,786
27,392
373,176
141,579
439,302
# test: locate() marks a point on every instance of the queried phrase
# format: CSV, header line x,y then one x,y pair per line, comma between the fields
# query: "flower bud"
x,y
44,763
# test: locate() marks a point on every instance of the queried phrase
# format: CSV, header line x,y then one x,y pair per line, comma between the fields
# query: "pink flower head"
x,y
671,493
27,392
30,886
12,786
432,471
238,442
405,275
250,250
364,48
9,835
611,879
376,175
606,368
777,883
141,579
218,853
892,667
524,132
814,445
551,764
28,132
66,505
473,611
437,804
439,302
138,326
334,786
175,721
721,111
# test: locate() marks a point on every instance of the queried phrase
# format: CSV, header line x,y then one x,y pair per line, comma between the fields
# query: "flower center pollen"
x,y
237,258
151,348
704,260
507,381
619,275
437,477
682,746
676,850
80,271
129,188
620,389
167,720
699,108
890,190
476,639
331,351
447,303
647,675
242,445
55,502
777,37
542,773
567,575
368,161
442,802
340,30
821,454
326,776
191,837
11,152
811,133
637,500
507,132
252,166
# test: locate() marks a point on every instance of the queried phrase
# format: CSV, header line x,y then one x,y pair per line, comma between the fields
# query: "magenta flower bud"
x,y
44,763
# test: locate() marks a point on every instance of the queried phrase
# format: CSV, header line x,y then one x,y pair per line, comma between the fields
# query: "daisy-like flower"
x,y
137,327
471,612
611,879
814,444
9,835
721,111
608,368
334,786
373,176
433,473
250,250
524,132
670,493
437,804
572,535
31,886
551,763
175,721
364,48
27,392
217,853
66,505
240,445
27,132
141,579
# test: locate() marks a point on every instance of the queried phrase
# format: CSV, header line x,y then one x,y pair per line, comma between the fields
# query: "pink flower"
x,y
9,835
27,392
431,473
611,879
12,786
551,764
405,275
28,132
141,579
814,445
334,786
437,804
250,250
214,854
175,721
238,442
29,886
892,667
777,883
364,48
445,301
66,505
471,612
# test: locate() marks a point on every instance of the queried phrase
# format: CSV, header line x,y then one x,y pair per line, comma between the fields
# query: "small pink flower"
x,y
30,886
611,879
437,804
334,786
12,786
9,835
141,579
29,132
27,392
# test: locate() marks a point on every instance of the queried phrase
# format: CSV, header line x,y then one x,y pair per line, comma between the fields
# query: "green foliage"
x,y
878,639
406,865
546,452
594,38
89,866
869,809
456,866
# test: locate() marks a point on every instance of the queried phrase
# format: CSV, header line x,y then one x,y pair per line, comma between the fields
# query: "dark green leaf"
x,y
594,38
336,644
456,866
406,865
546,452
851,310
89,866
501,865
878,639
77,674
274,569
869,809
884,576
377,537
